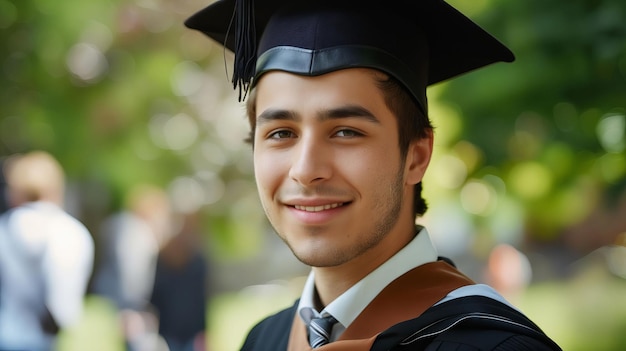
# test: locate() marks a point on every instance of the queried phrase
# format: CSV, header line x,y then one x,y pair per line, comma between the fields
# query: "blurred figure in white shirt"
x,y
46,256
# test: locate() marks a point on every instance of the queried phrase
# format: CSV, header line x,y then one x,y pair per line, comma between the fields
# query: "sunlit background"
x,y
528,176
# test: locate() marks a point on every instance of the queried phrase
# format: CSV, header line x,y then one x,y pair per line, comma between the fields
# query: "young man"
x,y
341,142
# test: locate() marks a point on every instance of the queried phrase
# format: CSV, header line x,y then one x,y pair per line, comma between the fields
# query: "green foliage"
x,y
116,91
542,121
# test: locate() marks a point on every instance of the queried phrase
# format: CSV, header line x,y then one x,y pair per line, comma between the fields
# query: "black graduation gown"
x,y
468,323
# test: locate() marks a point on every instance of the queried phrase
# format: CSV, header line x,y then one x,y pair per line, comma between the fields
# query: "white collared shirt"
x,y
46,258
347,307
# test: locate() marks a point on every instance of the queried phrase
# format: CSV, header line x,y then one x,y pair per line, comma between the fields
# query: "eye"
x,y
347,133
281,134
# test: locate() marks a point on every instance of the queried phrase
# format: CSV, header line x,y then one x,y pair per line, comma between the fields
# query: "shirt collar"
x,y
347,307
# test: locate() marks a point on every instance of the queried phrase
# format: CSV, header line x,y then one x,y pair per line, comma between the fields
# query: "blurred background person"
x,y
508,271
128,245
46,256
181,288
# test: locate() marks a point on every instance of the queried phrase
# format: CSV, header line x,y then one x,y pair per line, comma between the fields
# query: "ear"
x,y
418,158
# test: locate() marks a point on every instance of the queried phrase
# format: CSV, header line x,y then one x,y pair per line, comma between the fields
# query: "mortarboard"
x,y
418,42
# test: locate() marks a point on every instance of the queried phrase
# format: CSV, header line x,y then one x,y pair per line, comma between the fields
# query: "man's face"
x,y
328,167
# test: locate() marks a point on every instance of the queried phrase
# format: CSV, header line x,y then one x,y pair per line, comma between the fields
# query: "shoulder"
x,y
26,228
496,340
68,229
271,332
66,238
468,323
45,217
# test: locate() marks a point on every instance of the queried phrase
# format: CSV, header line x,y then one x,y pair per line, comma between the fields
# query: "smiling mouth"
x,y
318,208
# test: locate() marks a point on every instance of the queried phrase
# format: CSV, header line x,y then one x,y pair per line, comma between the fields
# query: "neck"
x,y
331,282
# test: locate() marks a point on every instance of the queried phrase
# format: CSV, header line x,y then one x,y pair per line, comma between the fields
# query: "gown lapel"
x,y
405,298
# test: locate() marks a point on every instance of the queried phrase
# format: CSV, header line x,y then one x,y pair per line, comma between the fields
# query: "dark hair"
x,y
251,113
413,124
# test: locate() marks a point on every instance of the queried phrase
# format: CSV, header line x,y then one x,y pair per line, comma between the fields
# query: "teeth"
x,y
317,208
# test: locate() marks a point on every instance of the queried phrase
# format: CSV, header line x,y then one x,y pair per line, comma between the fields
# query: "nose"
x,y
311,161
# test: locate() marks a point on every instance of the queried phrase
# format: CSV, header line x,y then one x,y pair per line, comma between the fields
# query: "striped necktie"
x,y
319,331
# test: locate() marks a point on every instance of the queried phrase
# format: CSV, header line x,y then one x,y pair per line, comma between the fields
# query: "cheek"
x,y
368,162
364,170
267,174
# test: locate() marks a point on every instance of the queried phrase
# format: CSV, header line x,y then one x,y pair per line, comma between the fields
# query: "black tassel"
x,y
245,47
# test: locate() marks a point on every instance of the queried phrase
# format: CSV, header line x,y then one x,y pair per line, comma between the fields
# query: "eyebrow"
x,y
348,111
275,114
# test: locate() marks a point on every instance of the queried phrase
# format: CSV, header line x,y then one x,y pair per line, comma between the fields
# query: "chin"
x,y
318,262
319,256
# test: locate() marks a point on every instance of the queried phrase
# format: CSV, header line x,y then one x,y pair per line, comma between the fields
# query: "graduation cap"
x,y
418,42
